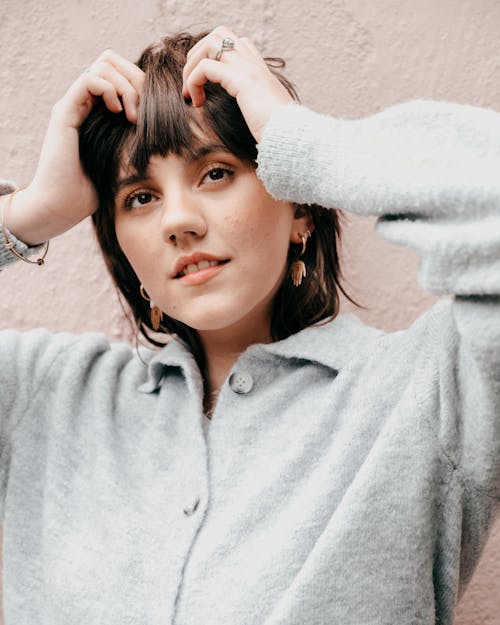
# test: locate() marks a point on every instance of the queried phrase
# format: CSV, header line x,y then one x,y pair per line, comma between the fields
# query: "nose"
x,y
182,217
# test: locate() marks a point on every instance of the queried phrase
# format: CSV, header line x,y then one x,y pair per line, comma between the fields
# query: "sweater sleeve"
x,y
25,359
430,172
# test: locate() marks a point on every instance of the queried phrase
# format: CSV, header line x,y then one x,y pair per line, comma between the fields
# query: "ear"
x,y
302,221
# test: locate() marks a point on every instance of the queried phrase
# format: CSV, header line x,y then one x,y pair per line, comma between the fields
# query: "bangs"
x,y
167,124
163,126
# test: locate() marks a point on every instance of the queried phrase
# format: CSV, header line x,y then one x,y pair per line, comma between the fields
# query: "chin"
x,y
208,323
206,318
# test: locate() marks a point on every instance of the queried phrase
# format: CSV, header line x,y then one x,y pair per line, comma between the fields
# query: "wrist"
x,y
14,244
24,219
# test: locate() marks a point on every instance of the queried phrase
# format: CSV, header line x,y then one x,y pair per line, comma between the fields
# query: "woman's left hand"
x,y
241,71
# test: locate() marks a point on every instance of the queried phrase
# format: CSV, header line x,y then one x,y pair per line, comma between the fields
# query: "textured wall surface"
x,y
348,58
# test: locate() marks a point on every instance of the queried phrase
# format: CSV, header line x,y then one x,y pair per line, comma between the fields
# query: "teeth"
x,y
203,264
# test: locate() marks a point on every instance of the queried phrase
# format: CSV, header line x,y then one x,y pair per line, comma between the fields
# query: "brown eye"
x,y
138,199
216,174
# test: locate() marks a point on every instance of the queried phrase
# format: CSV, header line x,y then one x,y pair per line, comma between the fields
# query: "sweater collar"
x,y
330,344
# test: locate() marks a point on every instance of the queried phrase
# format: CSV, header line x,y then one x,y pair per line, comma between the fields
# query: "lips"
x,y
196,262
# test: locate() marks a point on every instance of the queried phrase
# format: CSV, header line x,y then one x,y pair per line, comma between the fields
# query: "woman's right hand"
x,y
60,195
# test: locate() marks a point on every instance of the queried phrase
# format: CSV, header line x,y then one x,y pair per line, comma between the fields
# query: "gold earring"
x,y
156,314
298,269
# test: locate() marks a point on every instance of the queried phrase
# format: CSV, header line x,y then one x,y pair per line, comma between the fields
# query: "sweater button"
x,y
190,510
241,382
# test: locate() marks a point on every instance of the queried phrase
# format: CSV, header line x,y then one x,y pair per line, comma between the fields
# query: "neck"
x,y
222,349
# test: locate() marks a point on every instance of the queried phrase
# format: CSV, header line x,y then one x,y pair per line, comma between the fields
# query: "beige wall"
x,y
348,57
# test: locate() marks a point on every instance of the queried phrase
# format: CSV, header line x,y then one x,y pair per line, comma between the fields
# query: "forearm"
x,y
429,170
418,156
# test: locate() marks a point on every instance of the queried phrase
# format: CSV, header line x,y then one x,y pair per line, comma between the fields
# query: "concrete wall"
x,y
348,58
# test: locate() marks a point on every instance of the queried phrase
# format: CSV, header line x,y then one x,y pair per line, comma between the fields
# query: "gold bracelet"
x,y
10,246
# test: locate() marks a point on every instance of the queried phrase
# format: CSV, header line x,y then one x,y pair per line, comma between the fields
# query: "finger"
x,y
127,92
98,86
205,48
194,50
82,94
129,70
213,71
212,39
200,58
198,52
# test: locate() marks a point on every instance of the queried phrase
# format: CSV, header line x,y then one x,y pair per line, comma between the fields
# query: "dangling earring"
x,y
298,266
156,314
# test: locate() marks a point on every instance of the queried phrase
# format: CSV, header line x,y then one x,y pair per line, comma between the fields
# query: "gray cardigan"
x,y
348,476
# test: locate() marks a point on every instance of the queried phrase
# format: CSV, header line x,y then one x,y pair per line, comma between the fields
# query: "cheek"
x,y
258,241
131,246
269,234
264,261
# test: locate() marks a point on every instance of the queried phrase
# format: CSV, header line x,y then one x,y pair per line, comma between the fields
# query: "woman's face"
x,y
206,240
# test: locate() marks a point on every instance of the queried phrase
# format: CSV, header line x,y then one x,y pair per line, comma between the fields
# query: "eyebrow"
x,y
197,153
193,155
125,182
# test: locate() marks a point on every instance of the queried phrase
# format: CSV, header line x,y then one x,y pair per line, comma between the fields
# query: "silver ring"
x,y
226,44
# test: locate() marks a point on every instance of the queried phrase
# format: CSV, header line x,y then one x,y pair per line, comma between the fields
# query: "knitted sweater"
x,y
348,476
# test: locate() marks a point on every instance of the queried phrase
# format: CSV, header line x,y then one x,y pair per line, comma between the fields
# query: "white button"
x,y
191,509
241,382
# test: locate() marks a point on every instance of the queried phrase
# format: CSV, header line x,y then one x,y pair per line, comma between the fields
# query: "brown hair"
x,y
166,125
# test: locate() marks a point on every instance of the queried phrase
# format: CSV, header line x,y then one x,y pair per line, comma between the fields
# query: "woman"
x,y
345,475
